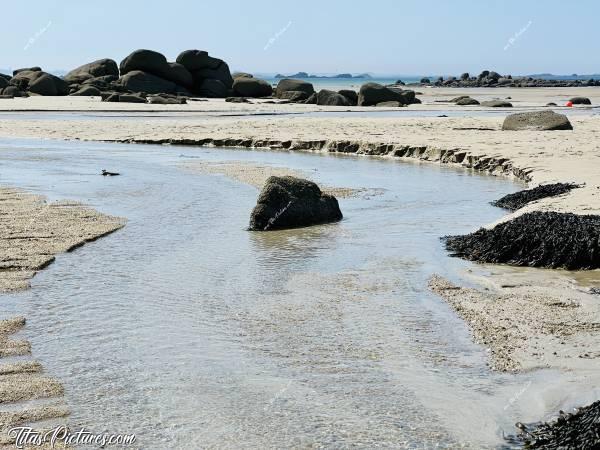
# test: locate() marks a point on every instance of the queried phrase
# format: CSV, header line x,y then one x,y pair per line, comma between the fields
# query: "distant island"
x,y
306,75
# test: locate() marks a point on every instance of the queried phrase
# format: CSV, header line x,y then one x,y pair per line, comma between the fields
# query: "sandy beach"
x,y
33,232
528,320
474,142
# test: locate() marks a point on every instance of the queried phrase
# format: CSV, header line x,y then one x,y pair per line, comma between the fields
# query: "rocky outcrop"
x,y
154,63
351,95
211,88
489,78
537,121
580,101
290,202
389,104
331,98
251,87
138,81
467,101
292,85
371,94
40,83
538,239
519,199
87,91
204,67
95,69
497,104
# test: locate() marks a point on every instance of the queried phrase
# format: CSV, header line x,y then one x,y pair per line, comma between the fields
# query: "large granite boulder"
x,y
241,75
27,69
467,101
251,87
3,83
290,202
292,85
156,64
371,94
95,69
39,82
537,121
13,91
204,67
147,61
178,74
331,98
351,95
580,101
212,89
194,60
497,104
87,91
138,81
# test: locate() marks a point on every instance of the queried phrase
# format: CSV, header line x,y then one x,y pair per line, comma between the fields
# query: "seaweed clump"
x,y
538,239
580,430
519,199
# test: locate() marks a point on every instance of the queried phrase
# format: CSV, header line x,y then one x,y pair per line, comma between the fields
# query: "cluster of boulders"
x,y
370,94
31,80
489,78
143,76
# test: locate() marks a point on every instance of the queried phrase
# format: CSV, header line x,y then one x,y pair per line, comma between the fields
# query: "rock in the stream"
x,y
290,202
537,121
538,239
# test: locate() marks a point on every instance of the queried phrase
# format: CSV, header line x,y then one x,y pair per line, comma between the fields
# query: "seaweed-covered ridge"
x,y
580,430
537,239
519,199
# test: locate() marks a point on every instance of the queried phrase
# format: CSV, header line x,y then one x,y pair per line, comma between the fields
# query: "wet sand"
x,y
32,232
474,142
539,322
256,175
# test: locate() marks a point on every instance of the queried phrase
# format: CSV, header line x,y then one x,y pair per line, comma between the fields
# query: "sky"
x,y
379,36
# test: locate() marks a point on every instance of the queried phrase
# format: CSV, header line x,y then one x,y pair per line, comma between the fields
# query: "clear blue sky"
x,y
378,36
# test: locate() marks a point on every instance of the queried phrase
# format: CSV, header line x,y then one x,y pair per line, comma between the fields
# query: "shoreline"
x,y
33,232
470,143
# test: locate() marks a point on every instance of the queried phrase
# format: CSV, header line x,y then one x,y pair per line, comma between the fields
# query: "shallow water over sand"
x,y
192,332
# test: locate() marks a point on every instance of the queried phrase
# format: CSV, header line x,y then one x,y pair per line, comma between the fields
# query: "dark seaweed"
x,y
519,199
537,239
578,431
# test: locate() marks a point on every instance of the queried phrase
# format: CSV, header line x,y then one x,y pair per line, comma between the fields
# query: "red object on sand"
x,y
569,104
